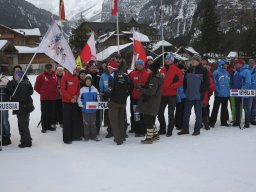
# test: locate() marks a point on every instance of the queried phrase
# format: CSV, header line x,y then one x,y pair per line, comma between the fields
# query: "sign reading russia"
x,y
242,93
97,105
5,106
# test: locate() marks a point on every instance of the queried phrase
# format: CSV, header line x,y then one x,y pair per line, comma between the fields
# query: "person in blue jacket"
x,y
221,78
252,104
104,78
242,80
89,93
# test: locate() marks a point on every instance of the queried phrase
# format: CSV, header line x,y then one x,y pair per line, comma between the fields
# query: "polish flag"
x,y
138,48
114,7
89,51
62,11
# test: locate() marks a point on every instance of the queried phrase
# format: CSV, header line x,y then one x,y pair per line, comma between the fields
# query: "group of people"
x,y
152,87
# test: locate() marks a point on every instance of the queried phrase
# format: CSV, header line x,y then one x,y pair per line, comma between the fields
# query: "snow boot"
x,y
206,124
196,133
149,137
156,136
6,141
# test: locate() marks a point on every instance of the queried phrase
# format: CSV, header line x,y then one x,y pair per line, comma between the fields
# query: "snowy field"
x,y
219,160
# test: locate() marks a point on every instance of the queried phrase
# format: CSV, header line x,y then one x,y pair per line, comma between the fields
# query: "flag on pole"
x,y
62,11
57,48
138,48
79,62
89,51
114,10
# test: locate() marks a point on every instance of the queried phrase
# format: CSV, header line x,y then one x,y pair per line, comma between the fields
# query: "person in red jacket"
x,y
173,79
70,92
46,87
139,77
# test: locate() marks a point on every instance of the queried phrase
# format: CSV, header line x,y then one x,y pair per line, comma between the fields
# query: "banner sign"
x,y
242,93
97,105
6,106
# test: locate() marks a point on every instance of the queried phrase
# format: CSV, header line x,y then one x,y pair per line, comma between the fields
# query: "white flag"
x,y
57,48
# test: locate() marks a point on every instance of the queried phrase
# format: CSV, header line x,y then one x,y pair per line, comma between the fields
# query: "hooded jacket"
x,y
242,78
221,78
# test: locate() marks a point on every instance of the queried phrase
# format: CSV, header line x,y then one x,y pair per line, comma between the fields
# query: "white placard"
x,y
97,105
242,93
6,106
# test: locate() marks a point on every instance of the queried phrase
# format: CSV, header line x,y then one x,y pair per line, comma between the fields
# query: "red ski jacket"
x,y
69,87
137,78
172,80
46,86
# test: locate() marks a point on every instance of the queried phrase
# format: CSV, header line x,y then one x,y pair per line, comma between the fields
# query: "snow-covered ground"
x,y
219,160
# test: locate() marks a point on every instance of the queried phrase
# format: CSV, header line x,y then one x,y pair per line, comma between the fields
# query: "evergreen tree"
x,y
210,37
80,35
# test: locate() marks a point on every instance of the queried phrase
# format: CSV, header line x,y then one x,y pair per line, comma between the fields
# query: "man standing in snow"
x,y
46,87
252,109
196,82
172,81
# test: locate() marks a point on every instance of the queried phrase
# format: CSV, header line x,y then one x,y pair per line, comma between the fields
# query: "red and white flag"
x,y
138,48
89,51
114,7
62,11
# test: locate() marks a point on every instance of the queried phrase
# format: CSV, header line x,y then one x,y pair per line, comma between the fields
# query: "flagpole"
x,y
117,26
32,59
162,16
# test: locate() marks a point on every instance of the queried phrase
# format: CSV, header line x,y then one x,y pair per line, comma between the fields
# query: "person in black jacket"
x,y
118,86
23,96
196,82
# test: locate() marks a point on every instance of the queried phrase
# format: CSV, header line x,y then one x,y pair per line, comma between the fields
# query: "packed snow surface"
x,y
222,159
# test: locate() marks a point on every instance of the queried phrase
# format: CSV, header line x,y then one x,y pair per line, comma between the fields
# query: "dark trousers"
x,y
23,124
246,106
48,113
149,121
179,113
116,117
137,123
90,130
106,117
59,111
71,122
187,112
171,102
205,116
223,101
99,117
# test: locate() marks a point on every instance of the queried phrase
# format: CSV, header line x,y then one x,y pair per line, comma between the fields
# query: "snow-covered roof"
x,y
3,43
110,50
29,32
141,37
105,37
232,54
191,50
179,57
24,49
127,32
160,43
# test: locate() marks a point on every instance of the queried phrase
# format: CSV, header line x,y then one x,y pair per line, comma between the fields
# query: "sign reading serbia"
x,y
5,106
242,93
97,105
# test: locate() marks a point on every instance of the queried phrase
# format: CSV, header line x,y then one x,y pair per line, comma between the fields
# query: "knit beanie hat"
x,y
155,66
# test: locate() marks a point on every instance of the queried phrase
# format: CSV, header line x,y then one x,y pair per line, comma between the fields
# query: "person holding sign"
x,y
23,96
241,80
89,93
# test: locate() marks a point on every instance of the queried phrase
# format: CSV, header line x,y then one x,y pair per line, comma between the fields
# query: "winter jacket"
x,y
59,95
210,90
242,78
95,80
88,94
23,96
104,82
221,79
69,87
119,87
196,82
151,94
253,74
138,78
173,80
180,94
46,86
